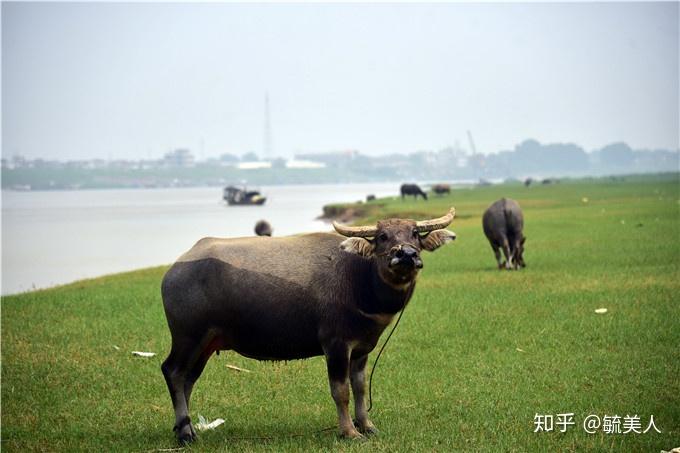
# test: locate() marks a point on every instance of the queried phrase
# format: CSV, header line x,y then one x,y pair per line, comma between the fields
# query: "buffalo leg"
x,y
515,252
358,378
176,369
193,376
337,361
507,253
497,252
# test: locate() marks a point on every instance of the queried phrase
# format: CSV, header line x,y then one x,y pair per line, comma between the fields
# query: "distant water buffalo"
x,y
263,228
503,224
370,197
528,181
412,189
321,294
441,189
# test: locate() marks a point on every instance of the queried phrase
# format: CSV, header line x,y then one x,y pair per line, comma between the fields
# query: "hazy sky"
x,y
121,80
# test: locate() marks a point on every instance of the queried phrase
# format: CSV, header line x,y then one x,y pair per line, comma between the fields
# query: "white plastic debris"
x,y
203,424
235,368
601,311
116,347
143,354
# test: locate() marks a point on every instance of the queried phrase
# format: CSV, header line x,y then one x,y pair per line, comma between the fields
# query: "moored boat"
x,y
242,197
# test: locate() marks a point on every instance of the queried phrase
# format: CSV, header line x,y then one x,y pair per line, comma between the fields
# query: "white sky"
x,y
121,80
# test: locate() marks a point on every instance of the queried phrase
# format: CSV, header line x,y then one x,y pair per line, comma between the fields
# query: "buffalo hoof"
x,y
367,428
352,435
186,435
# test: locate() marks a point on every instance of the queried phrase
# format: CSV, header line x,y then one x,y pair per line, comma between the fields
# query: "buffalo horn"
x,y
359,231
425,226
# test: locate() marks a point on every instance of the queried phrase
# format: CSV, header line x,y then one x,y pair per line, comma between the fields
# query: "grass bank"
x,y
477,355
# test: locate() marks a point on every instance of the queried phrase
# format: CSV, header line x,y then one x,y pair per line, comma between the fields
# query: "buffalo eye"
x,y
382,237
415,233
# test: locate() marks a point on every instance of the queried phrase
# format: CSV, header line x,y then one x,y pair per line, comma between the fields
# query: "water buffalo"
x,y
441,189
263,228
412,189
291,298
503,223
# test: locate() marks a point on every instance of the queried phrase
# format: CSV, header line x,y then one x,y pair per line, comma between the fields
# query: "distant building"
x,y
306,164
253,165
179,158
331,159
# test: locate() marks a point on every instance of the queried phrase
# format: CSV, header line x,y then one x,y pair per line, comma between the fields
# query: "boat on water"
x,y
242,197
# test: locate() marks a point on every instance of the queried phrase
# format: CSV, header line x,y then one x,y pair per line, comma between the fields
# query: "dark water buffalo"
x,y
441,189
503,223
263,228
412,189
291,298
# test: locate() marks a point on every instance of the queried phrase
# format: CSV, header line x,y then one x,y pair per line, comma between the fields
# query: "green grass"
x,y
478,353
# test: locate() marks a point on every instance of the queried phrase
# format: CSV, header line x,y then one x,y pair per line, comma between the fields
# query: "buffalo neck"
x,y
385,298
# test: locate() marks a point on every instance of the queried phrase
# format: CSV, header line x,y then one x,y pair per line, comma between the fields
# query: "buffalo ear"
x,y
436,239
358,246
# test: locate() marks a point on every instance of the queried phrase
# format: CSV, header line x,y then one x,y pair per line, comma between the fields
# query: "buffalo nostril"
x,y
400,253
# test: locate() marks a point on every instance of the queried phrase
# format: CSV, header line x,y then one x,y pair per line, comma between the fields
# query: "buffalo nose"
x,y
408,252
411,254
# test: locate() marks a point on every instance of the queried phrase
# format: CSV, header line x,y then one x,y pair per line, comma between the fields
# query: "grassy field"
x,y
478,353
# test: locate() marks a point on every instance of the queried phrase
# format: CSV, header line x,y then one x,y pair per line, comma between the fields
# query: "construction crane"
x,y
472,143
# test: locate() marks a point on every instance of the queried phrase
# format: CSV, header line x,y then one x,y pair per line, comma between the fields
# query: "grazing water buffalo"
x,y
503,223
412,189
263,228
292,298
441,189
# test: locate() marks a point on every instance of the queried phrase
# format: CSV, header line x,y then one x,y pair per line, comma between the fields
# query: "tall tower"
x,y
267,145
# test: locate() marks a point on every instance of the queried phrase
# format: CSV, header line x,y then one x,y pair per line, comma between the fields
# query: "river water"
x,y
56,237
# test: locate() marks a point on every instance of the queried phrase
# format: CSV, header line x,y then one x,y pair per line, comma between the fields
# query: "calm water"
x,y
50,238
